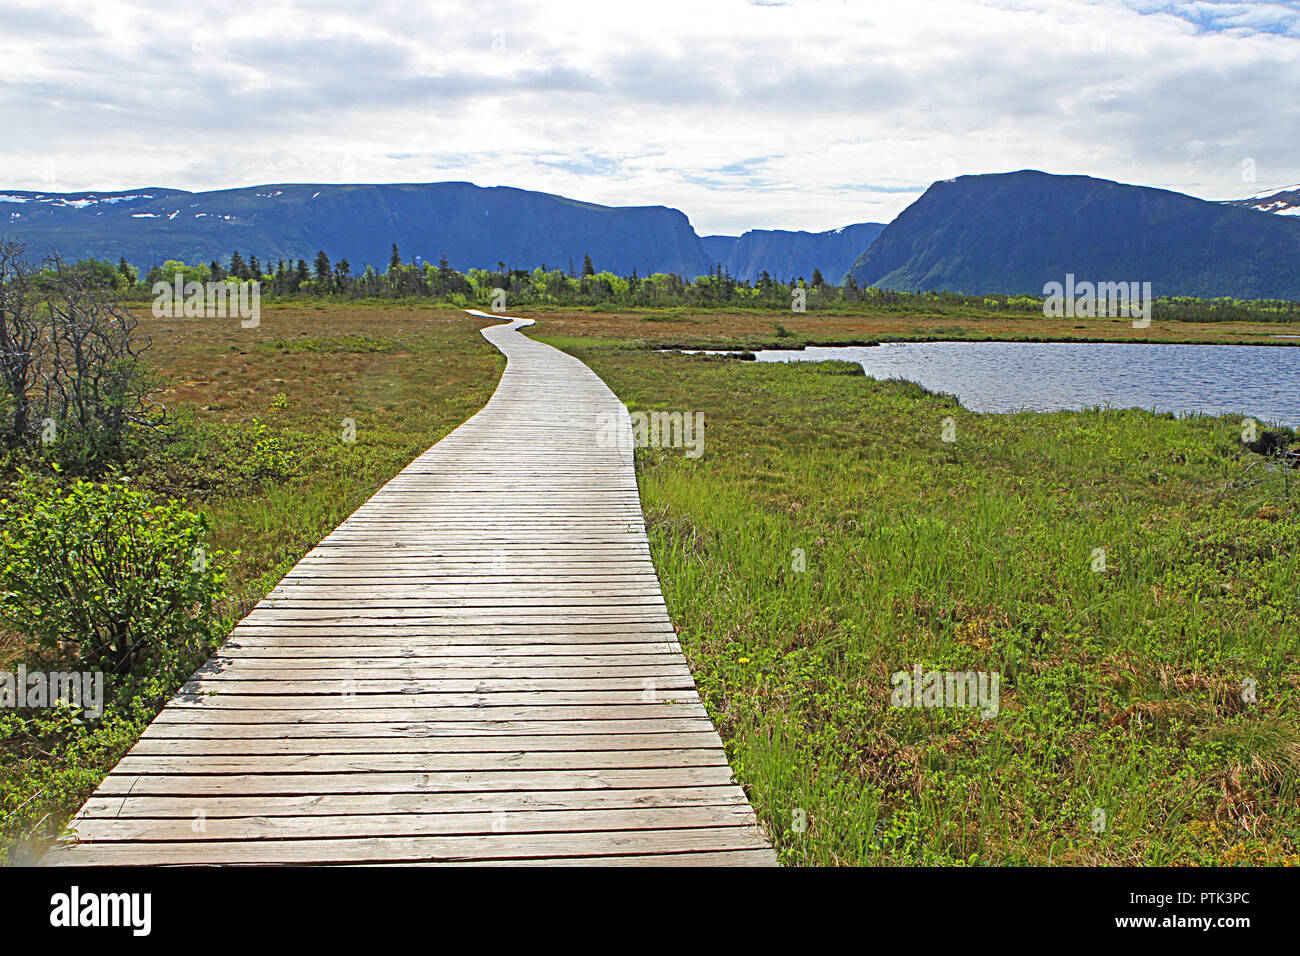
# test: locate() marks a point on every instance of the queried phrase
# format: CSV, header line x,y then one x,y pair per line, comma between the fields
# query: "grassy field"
x,y
258,445
1125,733
749,329
1121,690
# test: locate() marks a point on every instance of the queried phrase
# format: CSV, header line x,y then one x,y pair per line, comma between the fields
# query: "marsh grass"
x,y
754,329
1121,691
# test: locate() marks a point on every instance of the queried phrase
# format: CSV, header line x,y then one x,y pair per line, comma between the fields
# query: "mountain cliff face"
x,y
1014,232
470,225
718,248
785,254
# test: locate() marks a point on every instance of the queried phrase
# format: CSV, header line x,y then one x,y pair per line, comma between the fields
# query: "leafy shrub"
x,y
253,455
107,567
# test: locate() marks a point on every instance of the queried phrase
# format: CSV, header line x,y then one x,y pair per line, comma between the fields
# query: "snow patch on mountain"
x,y
80,203
1280,202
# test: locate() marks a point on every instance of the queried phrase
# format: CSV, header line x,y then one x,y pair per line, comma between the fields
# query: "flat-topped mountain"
x,y
1015,232
472,226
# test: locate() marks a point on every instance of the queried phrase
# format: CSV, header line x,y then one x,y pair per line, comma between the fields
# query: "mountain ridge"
x,y
474,226
1279,202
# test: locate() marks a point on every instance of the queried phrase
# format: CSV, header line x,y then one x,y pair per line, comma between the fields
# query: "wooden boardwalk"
x,y
475,667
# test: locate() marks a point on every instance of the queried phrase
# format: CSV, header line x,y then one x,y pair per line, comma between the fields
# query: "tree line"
x,y
586,287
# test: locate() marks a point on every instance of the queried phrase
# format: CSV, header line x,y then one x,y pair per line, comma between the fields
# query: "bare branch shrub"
x,y
70,360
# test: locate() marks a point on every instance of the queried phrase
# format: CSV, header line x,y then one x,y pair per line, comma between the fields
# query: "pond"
x,y
1258,380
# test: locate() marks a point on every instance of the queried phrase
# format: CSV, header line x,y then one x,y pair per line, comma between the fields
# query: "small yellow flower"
x,y
744,660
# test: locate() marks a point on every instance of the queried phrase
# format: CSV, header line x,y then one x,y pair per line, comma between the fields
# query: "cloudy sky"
x,y
806,114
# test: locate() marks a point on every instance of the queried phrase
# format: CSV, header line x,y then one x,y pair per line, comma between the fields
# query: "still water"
x,y
1259,380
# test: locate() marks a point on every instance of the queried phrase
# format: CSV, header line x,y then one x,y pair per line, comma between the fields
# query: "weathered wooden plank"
x,y
477,728
496,701
181,829
179,712
341,676
226,746
413,637
434,655
193,806
428,762
438,691
123,784
422,687
488,846
320,589
611,665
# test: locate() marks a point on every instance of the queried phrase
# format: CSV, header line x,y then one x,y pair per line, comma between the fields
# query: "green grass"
x,y
336,343
1120,691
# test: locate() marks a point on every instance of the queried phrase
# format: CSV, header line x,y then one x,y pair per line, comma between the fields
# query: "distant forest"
x,y
584,287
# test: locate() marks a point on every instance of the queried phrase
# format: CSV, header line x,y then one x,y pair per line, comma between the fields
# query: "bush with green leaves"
x,y
126,577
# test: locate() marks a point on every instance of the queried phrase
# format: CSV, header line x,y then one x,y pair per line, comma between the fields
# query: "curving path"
x,y
475,667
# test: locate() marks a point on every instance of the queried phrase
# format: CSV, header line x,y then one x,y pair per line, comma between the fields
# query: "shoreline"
x,y
921,339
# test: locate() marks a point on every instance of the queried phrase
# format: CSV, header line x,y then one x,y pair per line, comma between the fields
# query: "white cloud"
x,y
802,115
